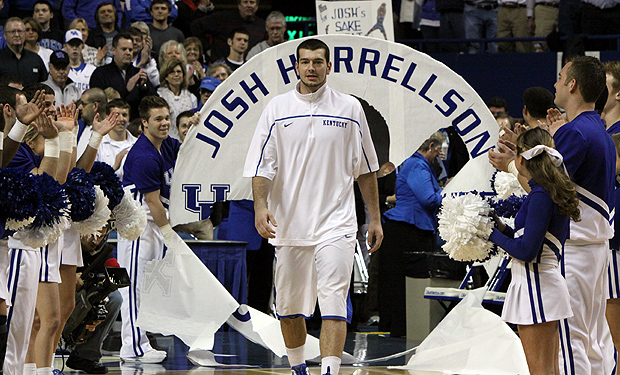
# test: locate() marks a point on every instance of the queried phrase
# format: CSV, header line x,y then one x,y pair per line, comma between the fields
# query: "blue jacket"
x,y
139,10
418,196
72,9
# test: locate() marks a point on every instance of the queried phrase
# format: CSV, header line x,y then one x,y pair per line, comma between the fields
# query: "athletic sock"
x,y
45,371
296,356
30,369
333,363
3,337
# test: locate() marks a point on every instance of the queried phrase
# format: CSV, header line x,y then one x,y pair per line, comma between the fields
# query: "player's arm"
x,y
26,112
158,212
100,129
368,186
263,219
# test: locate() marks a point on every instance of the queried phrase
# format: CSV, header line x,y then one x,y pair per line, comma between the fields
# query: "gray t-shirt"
x,y
162,36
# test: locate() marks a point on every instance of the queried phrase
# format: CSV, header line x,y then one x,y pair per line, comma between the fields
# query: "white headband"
x,y
556,157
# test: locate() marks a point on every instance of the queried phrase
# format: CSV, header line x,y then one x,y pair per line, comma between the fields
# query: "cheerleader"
x,y
538,295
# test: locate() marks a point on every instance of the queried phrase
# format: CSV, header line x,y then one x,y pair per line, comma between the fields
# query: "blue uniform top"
x,y
25,159
418,196
590,158
537,224
614,243
147,170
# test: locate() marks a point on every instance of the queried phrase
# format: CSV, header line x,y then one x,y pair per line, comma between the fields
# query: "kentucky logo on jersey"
x,y
336,123
219,193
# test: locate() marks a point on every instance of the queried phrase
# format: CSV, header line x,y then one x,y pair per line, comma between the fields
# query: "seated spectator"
x,y
219,71
142,11
195,63
142,54
497,105
238,44
90,54
174,90
106,29
51,37
83,10
161,31
65,92
80,71
536,102
276,29
111,94
207,86
32,38
131,82
116,144
171,49
189,11
26,65
214,29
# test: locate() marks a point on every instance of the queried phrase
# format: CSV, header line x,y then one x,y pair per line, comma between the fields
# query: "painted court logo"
x,y
336,123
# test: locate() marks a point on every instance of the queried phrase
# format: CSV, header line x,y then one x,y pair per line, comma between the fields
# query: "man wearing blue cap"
x,y
65,91
207,86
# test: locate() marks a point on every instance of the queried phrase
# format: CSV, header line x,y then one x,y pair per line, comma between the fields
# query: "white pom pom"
x,y
98,219
44,235
130,217
506,184
12,224
465,225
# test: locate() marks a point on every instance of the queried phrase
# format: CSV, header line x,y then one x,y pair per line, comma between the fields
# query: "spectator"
x,y
90,54
131,82
214,29
117,143
142,10
219,71
106,29
171,49
80,72
189,11
207,86
32,38
83,9
161,31
276,29
481,22
65,91
174,90
142,54
542,20
183,124
536,102
451,21
238,44
195,67
18,61
505,121
497,105
92,103
111,94
50,37
135,127
512,23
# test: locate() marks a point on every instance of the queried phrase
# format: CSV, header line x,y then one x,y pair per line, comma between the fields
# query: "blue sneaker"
x,y
328,373
300,370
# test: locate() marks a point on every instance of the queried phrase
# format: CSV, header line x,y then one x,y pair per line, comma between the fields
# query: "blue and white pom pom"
x,y
130,217
103,174
81,193
506,184
465,225
98,219
508,208
53,216
19,198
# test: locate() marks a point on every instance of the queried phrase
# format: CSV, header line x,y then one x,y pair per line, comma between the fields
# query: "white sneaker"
x,y
152,356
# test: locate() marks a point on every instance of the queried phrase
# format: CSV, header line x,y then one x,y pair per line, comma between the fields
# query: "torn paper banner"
x,y
470,340
181,297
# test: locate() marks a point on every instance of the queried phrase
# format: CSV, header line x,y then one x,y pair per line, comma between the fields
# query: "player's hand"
x,y
66,121
265,223
26,111
45,127
499,224
508,135
502,157
555,120
375,236
104,127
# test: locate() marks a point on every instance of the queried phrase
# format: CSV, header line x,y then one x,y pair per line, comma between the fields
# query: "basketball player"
x,y
309,146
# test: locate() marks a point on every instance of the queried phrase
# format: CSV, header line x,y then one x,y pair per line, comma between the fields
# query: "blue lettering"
x,y
371,63
212,142
451,104
223,119
346,60
219,192
407,77
191,197
284,70
236,102
249,90
389,66
461,118
484,138
348,26
426,87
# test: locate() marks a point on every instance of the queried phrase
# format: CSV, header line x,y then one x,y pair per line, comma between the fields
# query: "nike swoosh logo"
x,y
287,125
347,236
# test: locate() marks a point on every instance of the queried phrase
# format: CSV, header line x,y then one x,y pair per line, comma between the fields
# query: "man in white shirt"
x,y
309,147
117,143
80,71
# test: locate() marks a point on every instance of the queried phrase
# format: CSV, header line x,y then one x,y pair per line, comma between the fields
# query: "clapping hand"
x,y
26,111
555,120
503,156
104,127
67,119
45,127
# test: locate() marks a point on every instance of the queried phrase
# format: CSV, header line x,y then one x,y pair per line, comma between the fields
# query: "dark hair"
x,y
44,2
599,105
119,36
238,30
7,96
116,103
101,6
553,179
166,2
589,74
151,102
35,26
183,115
239,2
133,31
498,102
537,100
135,127
613,68
435,139
312,45
32,89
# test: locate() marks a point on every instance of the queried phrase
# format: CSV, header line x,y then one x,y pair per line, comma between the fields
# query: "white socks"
x,y
333,363
296,356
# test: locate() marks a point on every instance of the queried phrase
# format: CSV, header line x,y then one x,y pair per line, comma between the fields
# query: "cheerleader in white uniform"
x,y
538,295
